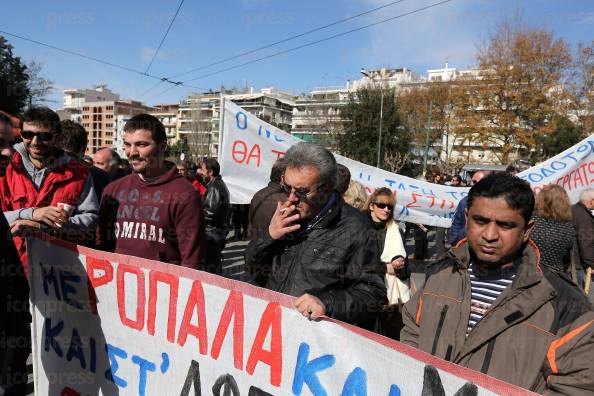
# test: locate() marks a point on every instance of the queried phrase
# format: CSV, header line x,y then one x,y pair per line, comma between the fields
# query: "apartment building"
x,y
104,122
167,114
199,116
74,100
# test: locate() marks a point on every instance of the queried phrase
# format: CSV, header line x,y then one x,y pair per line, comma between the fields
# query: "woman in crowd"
x,y
355,195
553,230
380,208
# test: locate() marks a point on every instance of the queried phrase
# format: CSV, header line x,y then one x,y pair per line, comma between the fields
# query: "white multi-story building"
x,y
167,114
199,115
74,100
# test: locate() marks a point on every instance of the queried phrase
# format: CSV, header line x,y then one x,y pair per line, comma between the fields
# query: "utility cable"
x,y
97,60
288,39
164,36
319,41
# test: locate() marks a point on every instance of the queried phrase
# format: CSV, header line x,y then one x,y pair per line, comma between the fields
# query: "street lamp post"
x,y
379,137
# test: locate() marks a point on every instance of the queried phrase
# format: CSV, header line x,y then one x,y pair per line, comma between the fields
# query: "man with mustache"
x,y
42,182
154,212
317,248
490,306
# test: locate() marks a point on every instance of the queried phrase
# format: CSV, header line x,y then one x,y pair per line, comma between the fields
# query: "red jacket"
x,y
62,184
199,187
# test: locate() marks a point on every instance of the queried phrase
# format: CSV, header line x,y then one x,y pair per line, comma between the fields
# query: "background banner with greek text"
x,y
249,147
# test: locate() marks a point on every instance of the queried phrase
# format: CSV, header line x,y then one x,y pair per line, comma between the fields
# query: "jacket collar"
x,y
527,293
529,269
328,215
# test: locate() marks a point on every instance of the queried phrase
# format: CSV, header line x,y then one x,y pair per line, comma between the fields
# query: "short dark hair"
x,y
212,165
73,137
511,169
516,192
276,173
45,117
148,122
343,179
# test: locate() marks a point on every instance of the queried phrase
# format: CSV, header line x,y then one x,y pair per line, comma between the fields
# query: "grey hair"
x,y
308,154
587,195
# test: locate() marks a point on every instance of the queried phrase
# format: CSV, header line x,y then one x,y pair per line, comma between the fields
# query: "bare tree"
x,y
39,87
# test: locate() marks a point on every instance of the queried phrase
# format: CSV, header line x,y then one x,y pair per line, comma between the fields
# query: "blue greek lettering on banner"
x,y
356,383
237,117
306,371
113,353
564,165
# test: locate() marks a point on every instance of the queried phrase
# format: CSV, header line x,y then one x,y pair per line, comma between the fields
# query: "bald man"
x,y
458,229
108,160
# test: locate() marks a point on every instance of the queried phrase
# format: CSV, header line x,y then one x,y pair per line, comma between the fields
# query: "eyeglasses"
x,y
382,205
301,193
43,136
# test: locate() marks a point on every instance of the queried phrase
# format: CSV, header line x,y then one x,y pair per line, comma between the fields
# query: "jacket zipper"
x,y
442,316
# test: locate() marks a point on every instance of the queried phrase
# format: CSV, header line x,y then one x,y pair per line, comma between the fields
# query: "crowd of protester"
x,y
506,299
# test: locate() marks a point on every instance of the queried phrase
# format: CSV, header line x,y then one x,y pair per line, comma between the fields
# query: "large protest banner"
x,y
249,147
108,324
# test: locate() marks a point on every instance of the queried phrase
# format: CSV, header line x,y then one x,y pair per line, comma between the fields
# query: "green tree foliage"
x,y
14,89
175,150
564,135
359,135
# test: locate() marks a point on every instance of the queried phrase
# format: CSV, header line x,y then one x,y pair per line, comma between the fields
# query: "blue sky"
x,y
127,33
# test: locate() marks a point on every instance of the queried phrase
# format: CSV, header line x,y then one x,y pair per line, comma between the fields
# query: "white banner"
x,y
250,147
108,324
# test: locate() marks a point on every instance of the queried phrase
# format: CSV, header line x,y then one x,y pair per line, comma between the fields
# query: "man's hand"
x,y
52,216
282,221
24,228
310,306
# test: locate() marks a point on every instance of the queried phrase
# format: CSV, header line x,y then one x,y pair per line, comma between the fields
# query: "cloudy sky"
x,y
127,33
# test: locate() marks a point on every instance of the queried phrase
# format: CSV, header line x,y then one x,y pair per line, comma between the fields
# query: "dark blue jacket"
x,y
458,229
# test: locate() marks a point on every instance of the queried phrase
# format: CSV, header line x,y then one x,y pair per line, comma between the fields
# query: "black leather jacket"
x,y
337,261
215,205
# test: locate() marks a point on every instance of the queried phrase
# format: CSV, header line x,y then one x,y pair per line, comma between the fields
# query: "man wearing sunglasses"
x,y
322,251
45,187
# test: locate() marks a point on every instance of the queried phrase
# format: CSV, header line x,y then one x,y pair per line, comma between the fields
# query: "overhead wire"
x,y
311,43
164,36
249,52
101,61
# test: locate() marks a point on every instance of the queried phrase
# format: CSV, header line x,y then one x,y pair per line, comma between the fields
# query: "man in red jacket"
x,y
45,187
154,212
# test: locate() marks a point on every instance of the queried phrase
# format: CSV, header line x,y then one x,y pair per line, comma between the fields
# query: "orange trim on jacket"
x,y
551,353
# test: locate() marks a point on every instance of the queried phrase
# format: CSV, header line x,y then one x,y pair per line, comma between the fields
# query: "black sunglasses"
x,y
301,193
382,205
43,136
